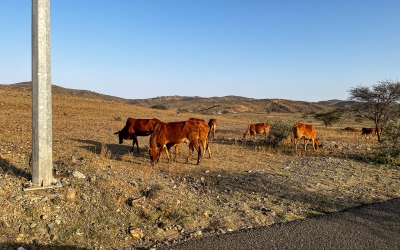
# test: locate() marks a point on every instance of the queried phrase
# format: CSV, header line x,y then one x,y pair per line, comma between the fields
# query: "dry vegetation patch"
x,y
111,199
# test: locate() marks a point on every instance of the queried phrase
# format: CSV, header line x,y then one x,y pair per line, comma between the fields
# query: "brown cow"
x,y
367,131
172,133
134,128
257,128
306,131
379,131
212,123
203,137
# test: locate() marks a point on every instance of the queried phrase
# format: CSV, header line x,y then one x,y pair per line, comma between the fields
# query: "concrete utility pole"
x,y
42,163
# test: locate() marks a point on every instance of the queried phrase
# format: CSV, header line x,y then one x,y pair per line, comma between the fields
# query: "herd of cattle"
x,y
167,135
197,133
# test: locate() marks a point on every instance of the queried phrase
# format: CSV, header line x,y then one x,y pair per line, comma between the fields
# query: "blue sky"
x,y
297,50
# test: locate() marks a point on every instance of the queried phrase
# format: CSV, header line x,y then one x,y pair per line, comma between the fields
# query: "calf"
x,y
258,128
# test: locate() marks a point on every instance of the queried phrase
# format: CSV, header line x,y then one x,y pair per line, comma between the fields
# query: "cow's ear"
x,y
116,133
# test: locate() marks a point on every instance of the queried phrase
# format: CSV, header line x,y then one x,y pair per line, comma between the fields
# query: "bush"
x,y
183,111
159,106
390,144
279,131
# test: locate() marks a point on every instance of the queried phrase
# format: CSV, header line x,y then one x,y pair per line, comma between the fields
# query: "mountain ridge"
x,y
205,105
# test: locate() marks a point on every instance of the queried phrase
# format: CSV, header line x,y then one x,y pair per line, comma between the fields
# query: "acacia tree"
x,y
329,118
377,103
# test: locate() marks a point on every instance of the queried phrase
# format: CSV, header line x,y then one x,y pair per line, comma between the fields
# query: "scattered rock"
x,y
42,231
131,201
70,194
78,175
136,233
152,194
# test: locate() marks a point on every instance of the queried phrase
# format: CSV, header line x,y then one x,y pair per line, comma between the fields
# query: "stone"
x,y
136,233
78,175
70,194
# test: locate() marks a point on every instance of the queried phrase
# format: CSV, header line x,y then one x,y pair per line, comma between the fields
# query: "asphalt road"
x,y
374,226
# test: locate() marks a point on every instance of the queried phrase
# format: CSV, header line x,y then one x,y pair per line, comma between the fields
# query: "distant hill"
x,y
211,105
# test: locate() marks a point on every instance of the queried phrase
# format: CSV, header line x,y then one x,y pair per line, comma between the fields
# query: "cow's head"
x,y
123,136
120,137
154,153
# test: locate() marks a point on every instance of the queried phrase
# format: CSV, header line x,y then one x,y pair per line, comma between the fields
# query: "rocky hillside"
x,y
212,105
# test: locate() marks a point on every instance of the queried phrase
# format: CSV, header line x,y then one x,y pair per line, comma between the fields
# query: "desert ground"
x,y
113,199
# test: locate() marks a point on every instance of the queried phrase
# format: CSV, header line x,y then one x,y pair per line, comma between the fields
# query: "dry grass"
x,y
243,185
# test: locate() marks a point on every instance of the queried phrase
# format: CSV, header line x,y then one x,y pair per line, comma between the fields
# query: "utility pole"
x,y
42,161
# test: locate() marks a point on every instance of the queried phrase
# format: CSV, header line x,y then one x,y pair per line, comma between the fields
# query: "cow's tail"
x,y
210,135
292,133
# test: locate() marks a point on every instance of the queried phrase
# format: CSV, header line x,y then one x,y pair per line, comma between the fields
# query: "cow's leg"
x,y
194,144
166,151
191,148
208,148
134,141
204,144
305,144
313,143
159,156
176,151
198,148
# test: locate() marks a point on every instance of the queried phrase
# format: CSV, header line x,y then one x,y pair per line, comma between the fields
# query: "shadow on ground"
x,y
9,168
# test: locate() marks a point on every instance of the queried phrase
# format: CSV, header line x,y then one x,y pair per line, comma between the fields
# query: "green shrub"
x,y
279,131
183,111
159,106
390,144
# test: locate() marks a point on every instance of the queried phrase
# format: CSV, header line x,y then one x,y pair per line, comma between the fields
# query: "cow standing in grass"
x,y
168,134
258,128
367,131
203,139
306,131
134,128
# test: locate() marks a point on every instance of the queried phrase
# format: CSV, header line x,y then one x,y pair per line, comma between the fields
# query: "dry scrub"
x,y
121,201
